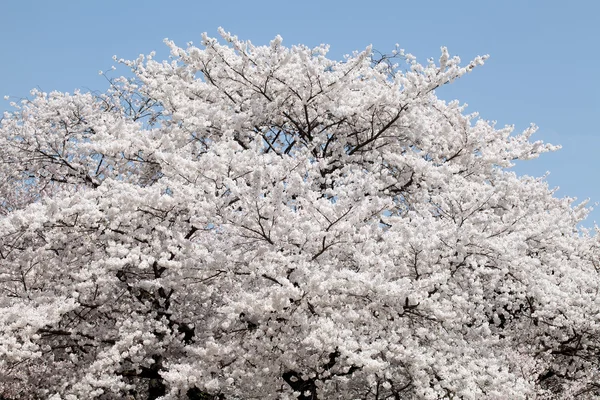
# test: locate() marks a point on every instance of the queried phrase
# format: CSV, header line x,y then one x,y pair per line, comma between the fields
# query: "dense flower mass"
x,y
262,222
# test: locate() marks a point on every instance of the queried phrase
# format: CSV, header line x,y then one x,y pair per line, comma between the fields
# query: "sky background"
x,y
544,66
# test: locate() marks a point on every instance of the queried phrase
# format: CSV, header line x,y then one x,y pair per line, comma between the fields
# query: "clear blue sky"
x,y
544,66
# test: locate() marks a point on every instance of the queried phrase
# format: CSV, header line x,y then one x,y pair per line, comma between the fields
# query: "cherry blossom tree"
x,y
263,222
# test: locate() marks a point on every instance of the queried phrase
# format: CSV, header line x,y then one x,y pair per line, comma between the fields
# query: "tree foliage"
x,y
262,222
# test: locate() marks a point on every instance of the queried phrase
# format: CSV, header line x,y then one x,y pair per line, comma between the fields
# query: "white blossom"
x,y
264,222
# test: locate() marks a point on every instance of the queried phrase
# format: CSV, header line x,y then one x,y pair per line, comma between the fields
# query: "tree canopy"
x,y
263,222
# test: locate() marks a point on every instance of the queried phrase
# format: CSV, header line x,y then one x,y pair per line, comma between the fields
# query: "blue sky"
x,y
544,66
